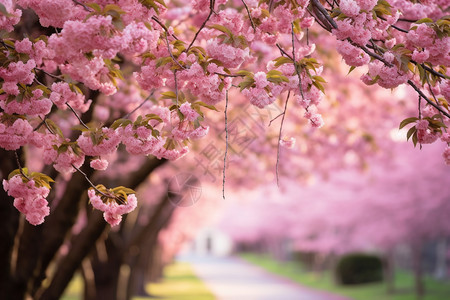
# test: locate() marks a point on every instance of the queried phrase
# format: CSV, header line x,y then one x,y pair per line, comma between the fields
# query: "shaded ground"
x,y
231,278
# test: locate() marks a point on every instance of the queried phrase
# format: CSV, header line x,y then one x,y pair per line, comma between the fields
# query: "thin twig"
x,y
40,124
419,107
90,182
211,11
428,100
307,36
139,106
154,18
295,64
229,75
226,145
87,8
171,54
270,123
20,166
284,52
395,27
279,139
249,15
176,85
431,70
78,117
49,74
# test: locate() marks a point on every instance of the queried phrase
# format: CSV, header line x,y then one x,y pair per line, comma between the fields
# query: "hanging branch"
x,y
78,117
428,100
226,145
279,138
176,84
154,18
20,166
211,11
139,106
249,15
82,4
92,185
171,54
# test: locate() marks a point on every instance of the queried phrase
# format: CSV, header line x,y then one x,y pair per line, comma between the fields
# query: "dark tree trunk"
x,y
148,238
83,243
9,223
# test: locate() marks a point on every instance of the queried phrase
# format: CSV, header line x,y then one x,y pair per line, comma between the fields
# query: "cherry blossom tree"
x,y
88,87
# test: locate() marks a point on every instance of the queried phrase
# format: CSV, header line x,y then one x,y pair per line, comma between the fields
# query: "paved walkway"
x,y
231,278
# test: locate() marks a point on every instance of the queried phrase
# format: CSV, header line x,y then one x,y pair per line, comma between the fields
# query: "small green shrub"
x,y
359,268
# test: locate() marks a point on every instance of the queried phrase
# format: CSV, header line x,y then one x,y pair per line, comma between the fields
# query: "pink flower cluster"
x,y
37,51
112,211
258,97
181,133
107,144
388,77
203,86
424,134
54,13
230,56
7,22
34,105
62,94
29,199
12,137
17,72
352,55
63,161
140,140
188,112
427,46
446,156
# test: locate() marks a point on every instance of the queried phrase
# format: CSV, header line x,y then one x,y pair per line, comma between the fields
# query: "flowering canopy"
x,y
165,63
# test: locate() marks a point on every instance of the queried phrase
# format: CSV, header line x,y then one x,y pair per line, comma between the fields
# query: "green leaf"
x,y
94,6
424,20
113,7
211,107
17,172
411,131
319,86
281,61
154,117
319,78
79,127
247,82
273,72
351,69
244,72
169,95
53,127
120,123
407,121
222,29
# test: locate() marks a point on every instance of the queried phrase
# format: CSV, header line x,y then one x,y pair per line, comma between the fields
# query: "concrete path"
x,y
231,278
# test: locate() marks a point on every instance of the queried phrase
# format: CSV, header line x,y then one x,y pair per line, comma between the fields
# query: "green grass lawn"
x,y
179,283
374,291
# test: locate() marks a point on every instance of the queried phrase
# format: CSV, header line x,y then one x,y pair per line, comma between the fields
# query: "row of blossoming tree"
x,y
85,84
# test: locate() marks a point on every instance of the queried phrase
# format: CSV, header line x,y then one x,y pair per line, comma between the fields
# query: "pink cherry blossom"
x,y
29,199
112,211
